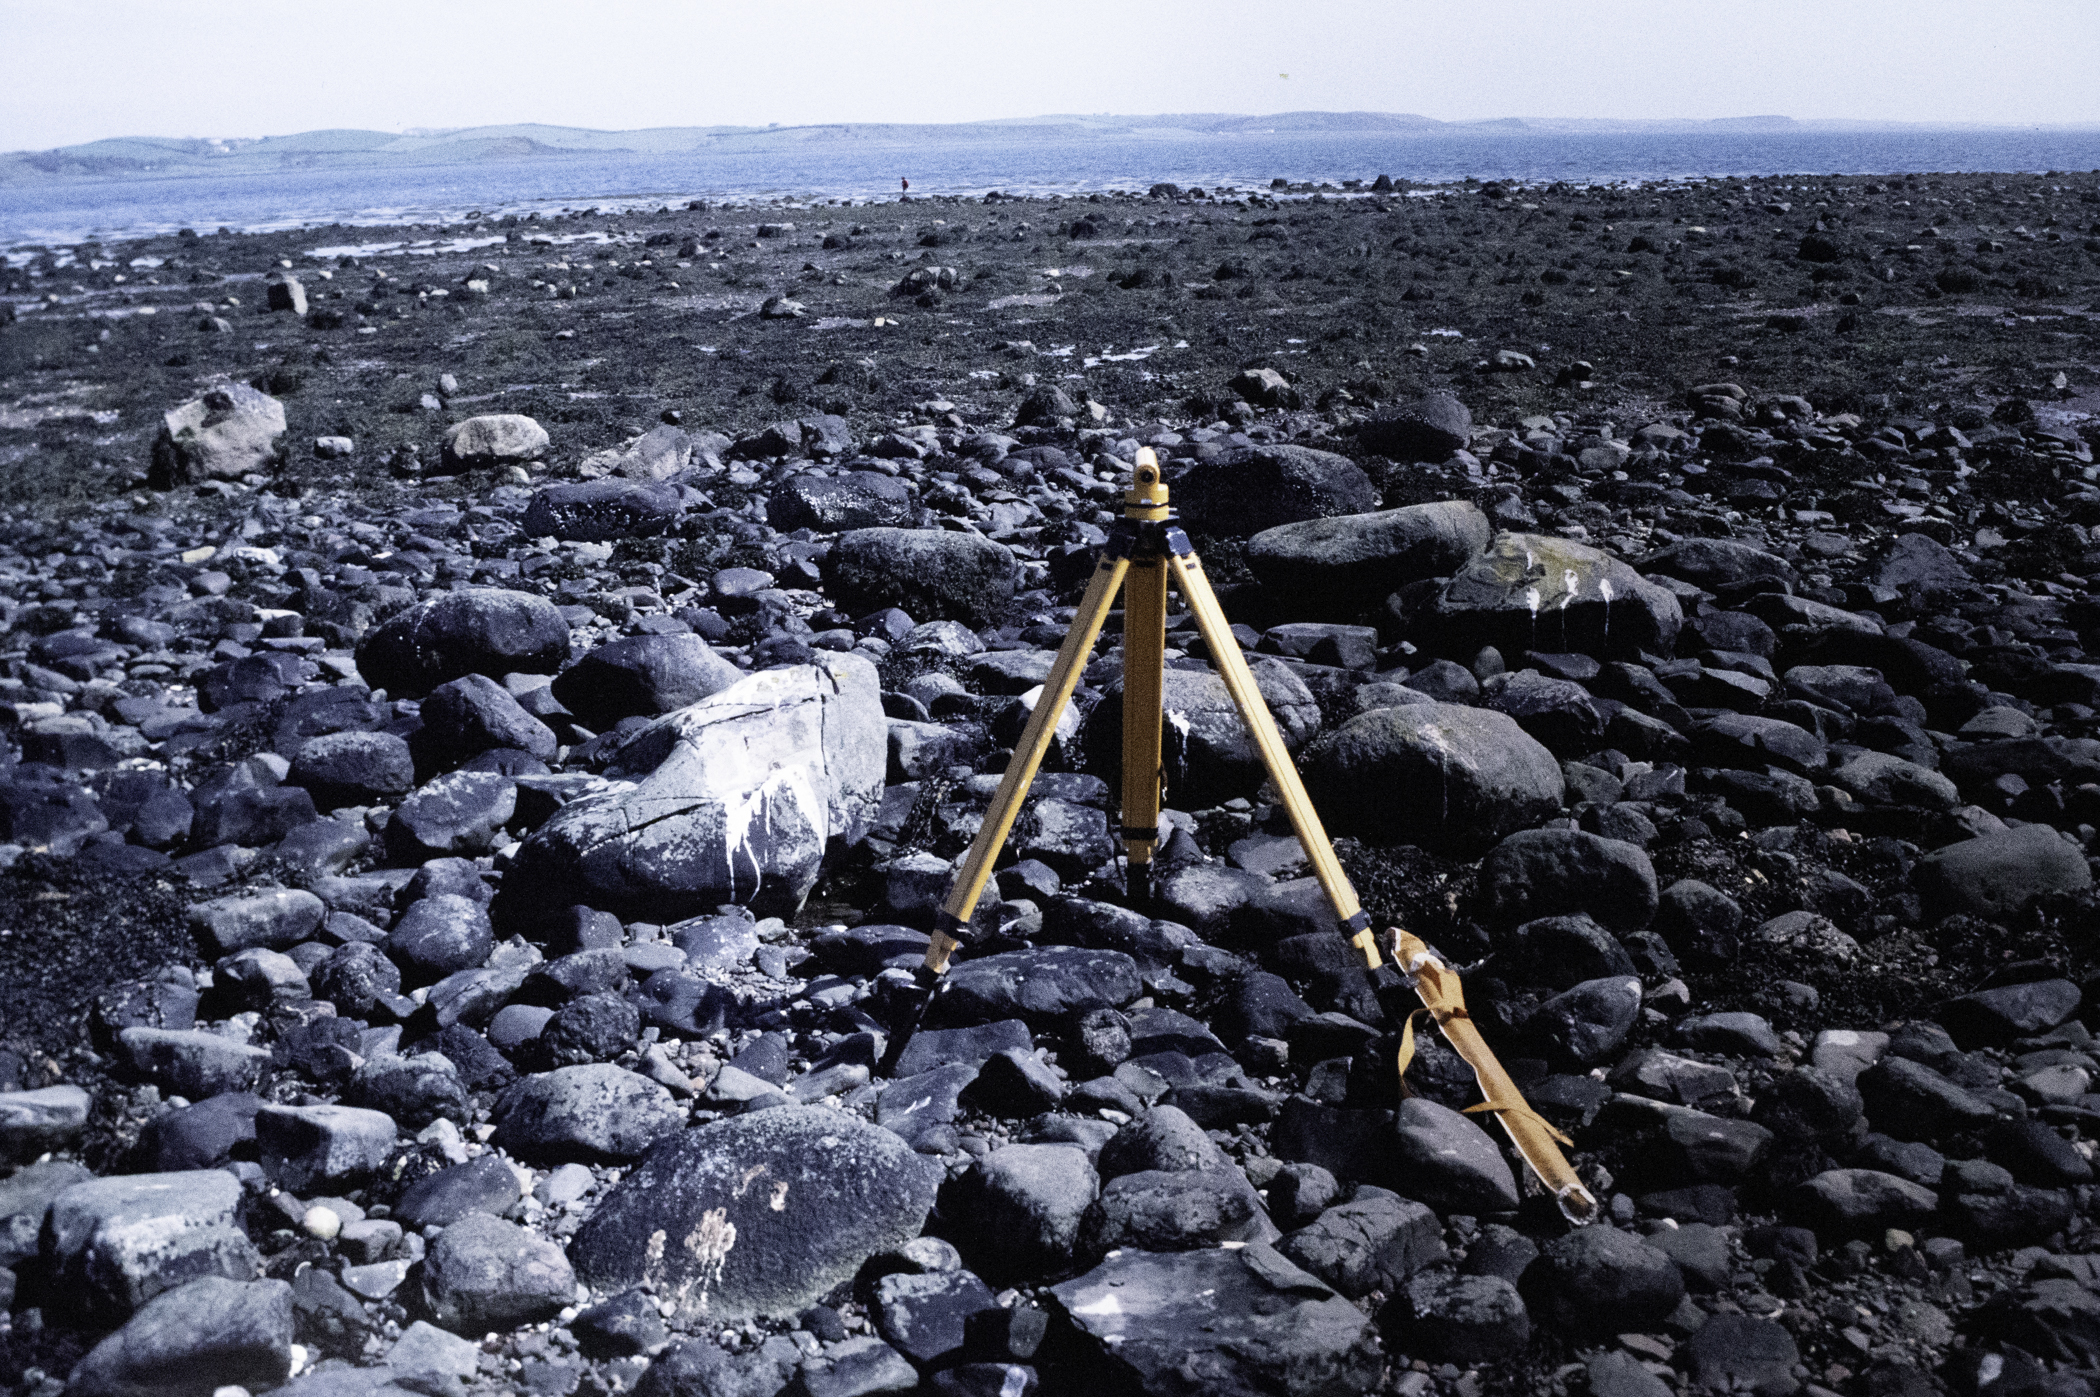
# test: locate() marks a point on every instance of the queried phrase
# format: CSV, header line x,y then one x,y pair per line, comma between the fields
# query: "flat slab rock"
x,y
1223,1322
757,1215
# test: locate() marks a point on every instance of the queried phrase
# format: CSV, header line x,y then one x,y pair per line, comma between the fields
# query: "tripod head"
x,y
1147,497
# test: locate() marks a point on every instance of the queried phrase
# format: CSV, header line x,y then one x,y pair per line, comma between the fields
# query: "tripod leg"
x,y
1144,663
1071,662
1254,712
1426,975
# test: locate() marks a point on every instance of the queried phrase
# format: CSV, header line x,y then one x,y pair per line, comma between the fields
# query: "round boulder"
x,y
929,573
598,511
643,676
498,439
1439,775
230,431
1538,592
1257,488
1998,876
1339,568
759,1214
481,631
1598,1280
1428,429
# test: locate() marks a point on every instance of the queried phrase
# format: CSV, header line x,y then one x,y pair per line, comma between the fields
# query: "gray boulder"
x,y
1538,592
479,631
598,511
1450,1162
224,435
1340,568
832,504
1430,428
1596,1277
930,573
1040,984
207,1335
191,1062
1998,876
1019,1209
1558,872
484,1273
1375,1241
1717,562
457,814
353,768
474,714
1443,776
115,1243
47,1118
1261,487
642,676
759,1214
497,439
734,799
304,1147
1226,1323
592,1111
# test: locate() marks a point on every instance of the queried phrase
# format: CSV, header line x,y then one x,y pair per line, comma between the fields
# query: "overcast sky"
x,y
77,70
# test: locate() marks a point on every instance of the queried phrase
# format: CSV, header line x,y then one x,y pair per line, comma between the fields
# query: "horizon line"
x,y
1063,118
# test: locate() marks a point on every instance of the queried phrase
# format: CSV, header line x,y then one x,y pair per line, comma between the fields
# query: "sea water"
x,y
70,210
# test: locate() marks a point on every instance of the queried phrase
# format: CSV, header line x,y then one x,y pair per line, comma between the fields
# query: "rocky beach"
x,y
489,712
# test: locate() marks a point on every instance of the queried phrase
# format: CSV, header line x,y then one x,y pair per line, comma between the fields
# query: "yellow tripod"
x,y
1145,549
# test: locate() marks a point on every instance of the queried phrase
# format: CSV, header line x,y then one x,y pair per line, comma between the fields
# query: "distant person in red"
x,y
907,186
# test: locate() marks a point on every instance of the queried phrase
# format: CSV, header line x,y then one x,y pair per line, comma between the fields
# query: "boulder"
x,y
1443,776
1998,876
479,631
1255,488
1430,428
759,1214
113,1244
1560,872
1226,1323
1598,1278
1713,563
229,432
1375,1241
1041,985
1339,568
642,676
474,714
1020,1208
733,799
597,511
497,439
1208,753
832,504
1538,592
593,1112
484,1273
212,1334
353,768
926,572
46,1118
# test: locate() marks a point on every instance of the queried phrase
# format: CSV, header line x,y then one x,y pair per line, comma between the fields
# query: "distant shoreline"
x,y
345,179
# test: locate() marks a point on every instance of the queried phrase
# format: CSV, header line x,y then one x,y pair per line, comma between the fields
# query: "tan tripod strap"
x,y
1444,1000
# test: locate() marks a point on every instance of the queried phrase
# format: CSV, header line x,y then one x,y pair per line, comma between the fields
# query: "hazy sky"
x,y
81,69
